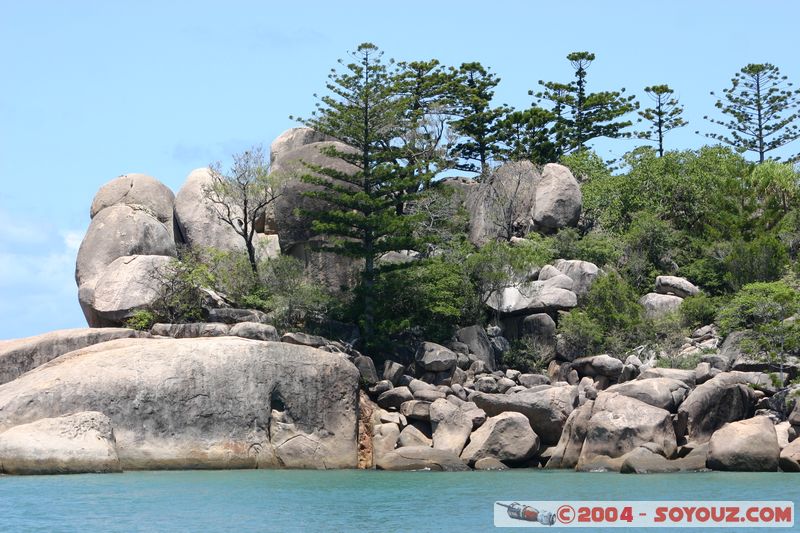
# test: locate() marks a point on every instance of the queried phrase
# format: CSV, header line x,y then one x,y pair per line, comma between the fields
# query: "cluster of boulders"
x,y
447,411
668,297
528,307
233,394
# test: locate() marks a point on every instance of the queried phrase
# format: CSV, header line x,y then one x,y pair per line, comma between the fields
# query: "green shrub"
x,y
758,304
288,294
596,247
529,354
432,296
698,310
141,320
581,335
763,259
181,283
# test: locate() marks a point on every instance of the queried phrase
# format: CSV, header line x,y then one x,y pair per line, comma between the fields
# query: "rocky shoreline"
x,y
217,401
232,392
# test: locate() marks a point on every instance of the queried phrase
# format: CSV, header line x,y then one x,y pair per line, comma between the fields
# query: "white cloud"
x,y
16,231
37,278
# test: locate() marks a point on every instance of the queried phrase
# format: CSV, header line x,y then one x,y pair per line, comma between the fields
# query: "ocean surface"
x,y
339,501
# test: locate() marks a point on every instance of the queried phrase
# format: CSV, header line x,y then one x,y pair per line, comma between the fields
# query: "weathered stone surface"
x,y
598,365
366,367
557,202
547,410
289,213
18,356
642,460
658,305
384,440
611,426
746,446
234,316
532,297
116,231
254,330
790,457
393,371
190,331
411,436
394,398
512,184
664,393
196,216
435,357
538,325
714,403
687,376
489,463
129,284
416,410
138,190
729,351
304,339
421,458
292,139
202,403
478,343
72,444
583,274
507,437
532,380
677,286
451,426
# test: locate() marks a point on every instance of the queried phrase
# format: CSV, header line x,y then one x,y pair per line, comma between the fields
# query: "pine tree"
x,y
665,116
473,91
761,109
581,116
525,135
365,111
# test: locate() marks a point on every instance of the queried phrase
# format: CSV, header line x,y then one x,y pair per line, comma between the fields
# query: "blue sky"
x,y
92,90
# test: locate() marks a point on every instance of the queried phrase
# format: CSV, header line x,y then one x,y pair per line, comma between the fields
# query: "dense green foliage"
x,y
730,226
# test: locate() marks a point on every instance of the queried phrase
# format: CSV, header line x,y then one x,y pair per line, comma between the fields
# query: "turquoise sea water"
x,y
337,501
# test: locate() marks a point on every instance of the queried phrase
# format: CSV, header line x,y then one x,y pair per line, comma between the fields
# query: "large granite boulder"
x,y
659,305
130,283
421,458
664,393
451,426
289,213
18,356
202,403
716,402
71,444
478,343
137,190
790,457
558,199
676,286
503,203
583,274
746,446
434,357
507,437
533,297
116,231
547,410
197,219
610,427
292,139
